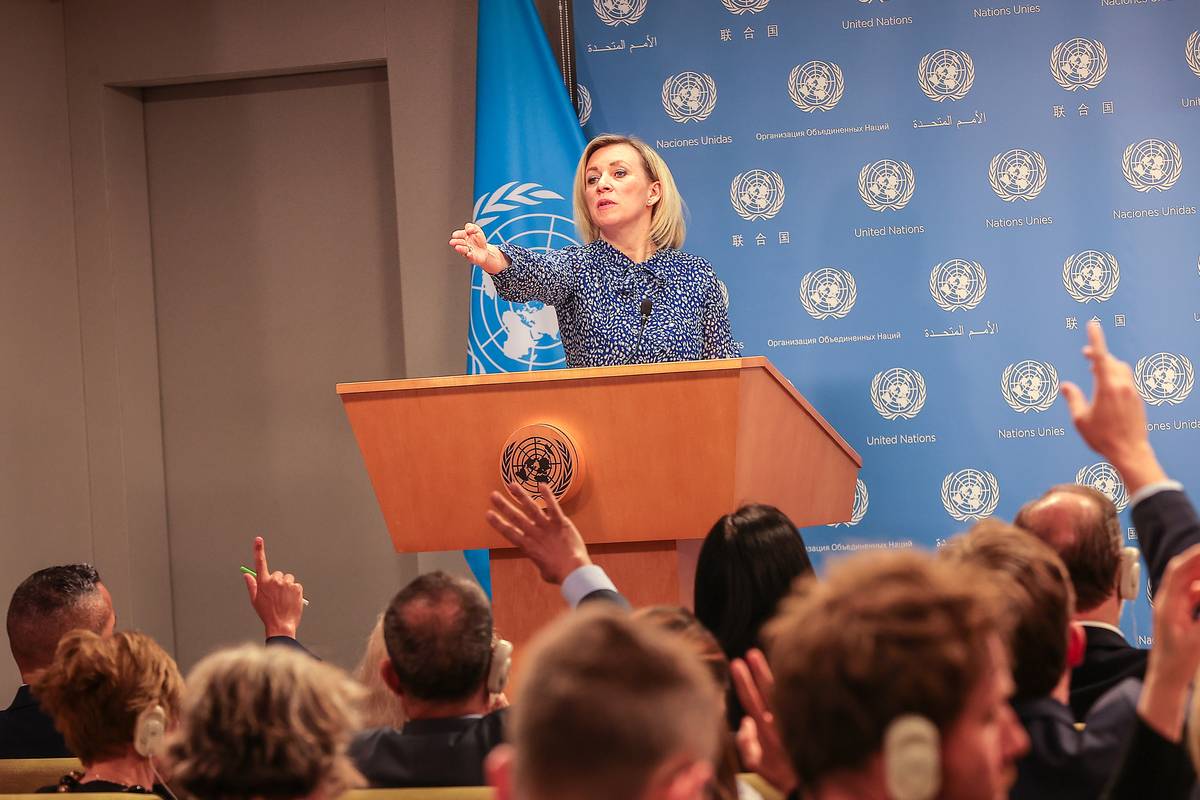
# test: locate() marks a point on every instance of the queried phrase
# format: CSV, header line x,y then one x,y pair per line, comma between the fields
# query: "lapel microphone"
x,y
645,308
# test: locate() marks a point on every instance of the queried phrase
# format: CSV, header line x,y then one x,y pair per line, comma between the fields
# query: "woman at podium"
x,y
629,294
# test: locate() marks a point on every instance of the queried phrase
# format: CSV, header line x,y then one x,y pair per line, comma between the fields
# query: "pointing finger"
x,y
260,556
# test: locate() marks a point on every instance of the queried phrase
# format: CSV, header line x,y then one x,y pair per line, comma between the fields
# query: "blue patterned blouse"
x,y
598,292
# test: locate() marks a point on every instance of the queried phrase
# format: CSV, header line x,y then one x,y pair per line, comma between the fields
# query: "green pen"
x,y
246,570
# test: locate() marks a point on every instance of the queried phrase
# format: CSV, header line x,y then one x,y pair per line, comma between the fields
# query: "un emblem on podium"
x,y
1193,52
1029,385
828,292
1103,477
1152,164
946,75
1078,63
745,6
970,494
957,284
898,393
619,12
689,96
816,85
861,501
542,454
1164,378
1091,275
1017,175
886,184
756,194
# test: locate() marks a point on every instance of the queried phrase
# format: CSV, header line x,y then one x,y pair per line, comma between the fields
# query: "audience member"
x,y
277,598
1063,762
113,698
443,664
381,708
683,623
1081,524
610,709
44,607
893,681
266,723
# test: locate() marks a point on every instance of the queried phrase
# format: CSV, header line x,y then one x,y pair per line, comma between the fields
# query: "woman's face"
x,y
617,188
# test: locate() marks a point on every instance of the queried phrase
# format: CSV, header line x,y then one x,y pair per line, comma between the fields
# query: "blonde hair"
x,y
667,228
266,723
381,706
96,688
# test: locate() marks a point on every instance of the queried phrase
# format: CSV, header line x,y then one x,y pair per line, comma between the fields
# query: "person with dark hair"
x,y
445,664
44,608
746,566
1081,524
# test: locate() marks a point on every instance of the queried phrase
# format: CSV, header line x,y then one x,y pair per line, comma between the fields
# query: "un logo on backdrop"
x,y
507,336
1164,378
1079,63
689,96
619,12
745,6
1193,52
886,184
583,103
1152,164
957,284
898,393
1091,275
816,85
756,194
1103,478
1029,385
828,292
1017,175
861,501
946,75
970,494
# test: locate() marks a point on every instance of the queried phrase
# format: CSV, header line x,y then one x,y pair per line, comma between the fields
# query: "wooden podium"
x,y
666,450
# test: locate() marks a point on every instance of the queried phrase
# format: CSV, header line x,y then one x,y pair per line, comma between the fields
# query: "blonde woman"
x,y
113,699
266,722
629,294
381,707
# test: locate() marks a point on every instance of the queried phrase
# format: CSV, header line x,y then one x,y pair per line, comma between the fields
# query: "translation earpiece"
x,y
912,761
498,670
1129,576
150,730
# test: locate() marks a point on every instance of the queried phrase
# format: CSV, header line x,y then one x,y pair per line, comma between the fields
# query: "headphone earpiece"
x,y
498,670
150,730
1129,575
912,759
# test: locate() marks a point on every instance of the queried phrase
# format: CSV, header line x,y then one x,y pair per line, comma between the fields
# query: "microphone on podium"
x,y
645,308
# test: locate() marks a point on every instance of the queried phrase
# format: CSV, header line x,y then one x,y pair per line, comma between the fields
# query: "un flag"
x,y
527,142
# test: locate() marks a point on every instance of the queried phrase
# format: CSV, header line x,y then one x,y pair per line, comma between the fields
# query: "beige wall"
x,y
83,455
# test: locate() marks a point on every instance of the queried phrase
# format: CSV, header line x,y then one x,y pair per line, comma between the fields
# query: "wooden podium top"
x,y
666,448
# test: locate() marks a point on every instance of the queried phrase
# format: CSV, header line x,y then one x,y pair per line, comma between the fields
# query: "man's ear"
x,y
690,783
498,770
388,673
1076,645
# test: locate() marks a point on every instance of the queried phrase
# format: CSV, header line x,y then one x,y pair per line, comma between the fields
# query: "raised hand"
x,y
546,536
471,243
277,598
758,740
1113,423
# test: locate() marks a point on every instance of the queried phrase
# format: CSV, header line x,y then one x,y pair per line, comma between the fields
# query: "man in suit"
x,y
444,663
45,606
1081,525
611,708
1113,423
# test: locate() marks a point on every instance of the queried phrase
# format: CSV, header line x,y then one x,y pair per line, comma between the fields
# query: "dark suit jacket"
x,y
28,732
1108,661
1151,766
1064,762
1166,525
429,752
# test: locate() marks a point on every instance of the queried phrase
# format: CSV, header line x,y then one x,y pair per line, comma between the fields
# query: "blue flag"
x,y
527,143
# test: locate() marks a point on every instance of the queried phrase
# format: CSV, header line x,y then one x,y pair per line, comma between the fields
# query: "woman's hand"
x,y
471,243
